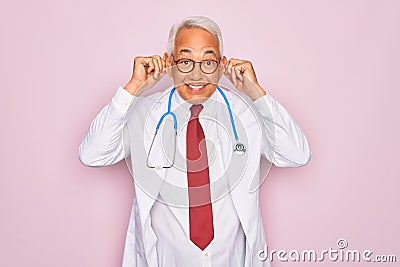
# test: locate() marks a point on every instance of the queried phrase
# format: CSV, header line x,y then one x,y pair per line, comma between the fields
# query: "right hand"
x,y
147,71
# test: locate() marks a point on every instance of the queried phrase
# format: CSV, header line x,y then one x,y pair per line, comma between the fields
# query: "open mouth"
x,y
196,87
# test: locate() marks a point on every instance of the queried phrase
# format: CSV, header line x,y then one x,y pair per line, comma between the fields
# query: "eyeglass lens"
x,y
206,66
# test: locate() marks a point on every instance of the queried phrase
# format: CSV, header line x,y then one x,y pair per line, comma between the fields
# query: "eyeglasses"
x,y
207,66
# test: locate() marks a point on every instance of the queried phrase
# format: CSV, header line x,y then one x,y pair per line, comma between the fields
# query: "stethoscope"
x,y
238,148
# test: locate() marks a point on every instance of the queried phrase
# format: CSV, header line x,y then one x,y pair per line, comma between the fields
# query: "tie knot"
x,y
195,110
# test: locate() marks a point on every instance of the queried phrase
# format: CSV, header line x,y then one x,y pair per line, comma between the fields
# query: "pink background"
x,y
333,64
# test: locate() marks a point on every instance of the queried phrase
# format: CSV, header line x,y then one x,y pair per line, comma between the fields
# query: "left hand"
x,y
242,75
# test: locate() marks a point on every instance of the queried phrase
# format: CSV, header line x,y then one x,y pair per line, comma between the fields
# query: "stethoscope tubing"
x,y
238,147
169,112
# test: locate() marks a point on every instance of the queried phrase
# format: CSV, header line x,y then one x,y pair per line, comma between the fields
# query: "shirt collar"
x,y
208,104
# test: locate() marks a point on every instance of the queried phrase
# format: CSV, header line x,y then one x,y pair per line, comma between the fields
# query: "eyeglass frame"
x,y
199,62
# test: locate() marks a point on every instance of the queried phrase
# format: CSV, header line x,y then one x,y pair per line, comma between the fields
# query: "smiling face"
x,y
198,45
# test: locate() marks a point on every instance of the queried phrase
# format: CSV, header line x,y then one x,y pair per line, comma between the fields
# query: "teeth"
x,y
195,87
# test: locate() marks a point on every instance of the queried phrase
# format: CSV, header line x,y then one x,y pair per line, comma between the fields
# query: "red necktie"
x,y
200,208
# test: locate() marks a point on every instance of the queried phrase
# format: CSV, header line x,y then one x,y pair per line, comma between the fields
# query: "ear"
x,y
222,66
168,64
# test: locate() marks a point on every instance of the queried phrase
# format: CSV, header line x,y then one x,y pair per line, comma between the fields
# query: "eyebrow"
x,y
188,51
185,51
208,52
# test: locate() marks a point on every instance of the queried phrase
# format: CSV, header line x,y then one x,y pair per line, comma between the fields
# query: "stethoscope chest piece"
x,y
239,149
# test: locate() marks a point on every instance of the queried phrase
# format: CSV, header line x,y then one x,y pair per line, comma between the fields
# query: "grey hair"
x,y
195,22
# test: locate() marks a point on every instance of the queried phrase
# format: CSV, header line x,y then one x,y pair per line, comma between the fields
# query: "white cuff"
x,y
265,105
121,101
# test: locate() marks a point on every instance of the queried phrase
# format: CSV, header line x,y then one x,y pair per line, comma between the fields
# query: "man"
x,y
194,208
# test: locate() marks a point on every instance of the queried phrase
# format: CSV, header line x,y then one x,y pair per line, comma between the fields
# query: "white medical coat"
x,y
264,126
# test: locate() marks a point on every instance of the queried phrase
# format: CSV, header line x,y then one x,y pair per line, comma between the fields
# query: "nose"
x,y
196,73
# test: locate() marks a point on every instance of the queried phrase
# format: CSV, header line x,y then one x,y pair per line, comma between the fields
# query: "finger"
x,y
156,65
239,74
248,71
229,68
226,68
139,64
149,66
239,61
159,62
233,75
156,68
242,65
164,63
222,67
231,72
235,61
